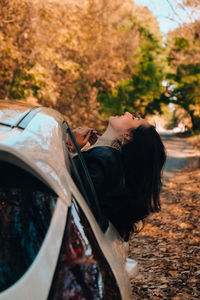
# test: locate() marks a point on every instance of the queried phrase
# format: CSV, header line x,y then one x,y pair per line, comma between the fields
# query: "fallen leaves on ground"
x,y
168,247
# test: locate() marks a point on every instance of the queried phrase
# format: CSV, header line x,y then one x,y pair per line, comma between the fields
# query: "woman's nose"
x,y
127,114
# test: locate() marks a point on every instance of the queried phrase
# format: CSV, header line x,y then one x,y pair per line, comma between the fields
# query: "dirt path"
x,y
168,248
179,153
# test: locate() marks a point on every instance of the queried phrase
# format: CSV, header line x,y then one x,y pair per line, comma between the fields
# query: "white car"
x,y
53,246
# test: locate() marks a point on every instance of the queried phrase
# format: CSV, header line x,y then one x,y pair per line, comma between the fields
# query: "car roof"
x,y
11,111
32,136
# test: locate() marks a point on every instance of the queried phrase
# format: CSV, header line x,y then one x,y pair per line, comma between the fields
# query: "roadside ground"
x,y
168,247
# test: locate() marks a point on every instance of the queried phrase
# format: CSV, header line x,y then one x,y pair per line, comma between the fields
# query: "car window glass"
x,y
26,208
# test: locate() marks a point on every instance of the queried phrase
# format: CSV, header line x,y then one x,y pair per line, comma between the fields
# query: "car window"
x,y
26,208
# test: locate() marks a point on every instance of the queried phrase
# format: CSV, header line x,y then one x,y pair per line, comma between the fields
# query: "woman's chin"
x,y
111,118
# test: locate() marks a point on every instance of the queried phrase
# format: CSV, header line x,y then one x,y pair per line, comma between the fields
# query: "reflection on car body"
x,y
52,246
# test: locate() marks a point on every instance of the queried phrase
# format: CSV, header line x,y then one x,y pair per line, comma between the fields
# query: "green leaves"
x,y
24,84
187,91
181,44
184,60
140,92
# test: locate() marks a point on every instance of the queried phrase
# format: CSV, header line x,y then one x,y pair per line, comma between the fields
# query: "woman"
x,y
125,165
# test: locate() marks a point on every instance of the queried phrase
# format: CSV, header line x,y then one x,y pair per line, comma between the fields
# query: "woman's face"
x,y
126,122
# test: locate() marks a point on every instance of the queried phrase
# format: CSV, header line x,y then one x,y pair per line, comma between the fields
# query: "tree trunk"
x,y
195,121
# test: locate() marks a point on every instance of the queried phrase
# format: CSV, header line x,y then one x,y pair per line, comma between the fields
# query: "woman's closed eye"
x,y
136,117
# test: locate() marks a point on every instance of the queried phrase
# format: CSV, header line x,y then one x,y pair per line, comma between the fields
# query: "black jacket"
x,y
106,171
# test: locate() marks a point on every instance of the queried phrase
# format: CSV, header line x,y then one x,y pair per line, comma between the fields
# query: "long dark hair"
x,y
143,158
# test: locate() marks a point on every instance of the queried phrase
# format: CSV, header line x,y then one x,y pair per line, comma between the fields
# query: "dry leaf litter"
x,y
168,247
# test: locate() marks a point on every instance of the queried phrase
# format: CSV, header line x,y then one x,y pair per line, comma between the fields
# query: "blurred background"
x,y
92,58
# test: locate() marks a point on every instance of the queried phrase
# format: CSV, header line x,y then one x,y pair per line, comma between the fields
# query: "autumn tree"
x,y
64,53
190,3
16,43
141,90
97,41
184,59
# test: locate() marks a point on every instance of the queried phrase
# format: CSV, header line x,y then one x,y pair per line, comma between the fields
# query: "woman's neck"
x,y
108,138
110,134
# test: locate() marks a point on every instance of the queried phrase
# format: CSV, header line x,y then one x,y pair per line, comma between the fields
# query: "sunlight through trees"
x,y
92,58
